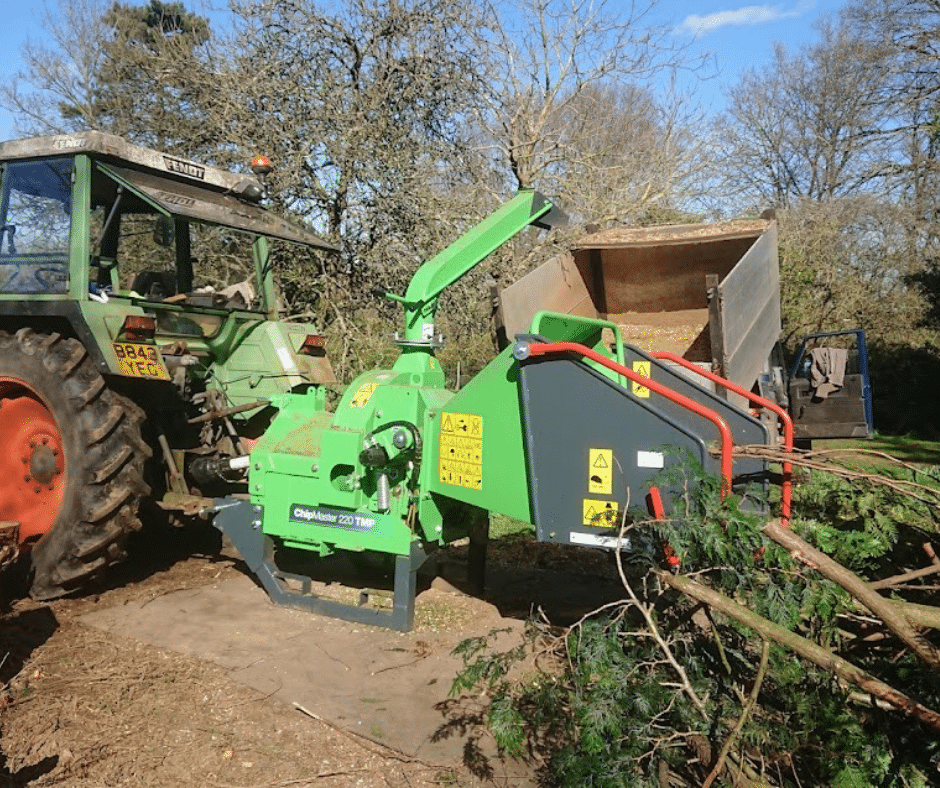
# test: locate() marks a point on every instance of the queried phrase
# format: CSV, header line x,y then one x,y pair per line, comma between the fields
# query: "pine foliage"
x,y
646,693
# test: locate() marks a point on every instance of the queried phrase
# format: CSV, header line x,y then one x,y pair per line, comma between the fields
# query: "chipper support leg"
x,y
476,557
241,522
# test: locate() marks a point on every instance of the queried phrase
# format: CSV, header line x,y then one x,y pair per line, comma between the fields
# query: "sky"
x,y
742,35
738,34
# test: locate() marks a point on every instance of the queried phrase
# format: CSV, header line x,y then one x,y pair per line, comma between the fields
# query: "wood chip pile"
x,y
690,340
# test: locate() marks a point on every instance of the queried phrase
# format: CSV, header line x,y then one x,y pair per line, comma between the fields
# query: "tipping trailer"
x,y
565,429
709,293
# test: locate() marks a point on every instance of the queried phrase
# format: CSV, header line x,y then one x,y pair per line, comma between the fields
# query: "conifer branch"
x,y
820,656
745,713
894,619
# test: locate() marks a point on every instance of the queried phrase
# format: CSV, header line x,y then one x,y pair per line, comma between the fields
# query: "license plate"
x,y
139,361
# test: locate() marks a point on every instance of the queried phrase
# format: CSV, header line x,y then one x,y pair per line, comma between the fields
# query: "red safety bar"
x,y
786,486
543,349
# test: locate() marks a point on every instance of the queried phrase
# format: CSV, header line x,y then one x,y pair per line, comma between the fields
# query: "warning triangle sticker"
x,y
590,515
447,425
600,462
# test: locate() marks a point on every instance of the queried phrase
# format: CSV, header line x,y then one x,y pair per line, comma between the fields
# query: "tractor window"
x,y
35,222
143,250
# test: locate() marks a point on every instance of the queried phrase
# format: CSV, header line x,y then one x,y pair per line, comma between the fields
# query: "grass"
x,y
904,448
502,527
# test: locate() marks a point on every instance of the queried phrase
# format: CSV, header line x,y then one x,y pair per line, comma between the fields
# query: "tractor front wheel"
x,y
71,460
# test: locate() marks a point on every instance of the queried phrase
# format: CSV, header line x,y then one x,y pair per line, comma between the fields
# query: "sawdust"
x,y
80,706
685,332
95,710
674,233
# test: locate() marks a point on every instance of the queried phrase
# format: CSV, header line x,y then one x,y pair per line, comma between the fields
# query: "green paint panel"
x,y
373,475
493,397
587,331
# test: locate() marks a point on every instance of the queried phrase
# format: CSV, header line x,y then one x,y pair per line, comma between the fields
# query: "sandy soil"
x,y
83,707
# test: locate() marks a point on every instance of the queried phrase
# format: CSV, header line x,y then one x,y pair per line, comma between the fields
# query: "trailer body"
x,y
709,293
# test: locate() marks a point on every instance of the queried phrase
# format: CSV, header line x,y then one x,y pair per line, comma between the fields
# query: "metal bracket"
x,y
241,522
435,343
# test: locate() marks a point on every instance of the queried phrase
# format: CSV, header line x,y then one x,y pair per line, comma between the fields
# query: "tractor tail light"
x,y
313,345
137,327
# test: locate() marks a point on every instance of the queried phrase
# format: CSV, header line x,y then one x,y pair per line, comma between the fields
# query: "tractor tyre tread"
x,y
104,454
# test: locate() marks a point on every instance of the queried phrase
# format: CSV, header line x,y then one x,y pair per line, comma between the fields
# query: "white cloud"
x,y
700,25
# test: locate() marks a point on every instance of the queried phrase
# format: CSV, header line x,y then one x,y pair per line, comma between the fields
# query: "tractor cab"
x,y
829,387
148,247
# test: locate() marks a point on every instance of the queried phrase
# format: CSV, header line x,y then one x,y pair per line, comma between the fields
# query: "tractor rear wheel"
x,y
71,460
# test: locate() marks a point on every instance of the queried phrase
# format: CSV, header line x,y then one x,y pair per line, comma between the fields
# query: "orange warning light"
x,y
261,165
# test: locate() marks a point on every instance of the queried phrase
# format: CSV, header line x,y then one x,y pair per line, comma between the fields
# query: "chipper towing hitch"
x,y
564,429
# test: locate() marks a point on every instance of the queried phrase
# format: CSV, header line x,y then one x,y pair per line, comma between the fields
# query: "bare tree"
x,y
838,136
630,157
805,126
60,72
907,33
845,263
393,125
362,106
140,71
575,104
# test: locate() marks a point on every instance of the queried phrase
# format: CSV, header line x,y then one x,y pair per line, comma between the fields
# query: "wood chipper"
x,y
565,429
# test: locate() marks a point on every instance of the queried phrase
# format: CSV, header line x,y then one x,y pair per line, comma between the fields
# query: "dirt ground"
x,y
83,706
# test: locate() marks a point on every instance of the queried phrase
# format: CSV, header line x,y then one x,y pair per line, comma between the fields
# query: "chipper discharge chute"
x,y
566,429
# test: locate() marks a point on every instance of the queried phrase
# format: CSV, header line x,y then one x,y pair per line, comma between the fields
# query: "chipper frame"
x,y
565,429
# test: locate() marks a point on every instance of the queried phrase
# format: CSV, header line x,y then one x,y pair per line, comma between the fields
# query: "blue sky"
x,y
740,34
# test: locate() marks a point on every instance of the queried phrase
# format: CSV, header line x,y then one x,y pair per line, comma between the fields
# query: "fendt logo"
x,y
184,168
68,143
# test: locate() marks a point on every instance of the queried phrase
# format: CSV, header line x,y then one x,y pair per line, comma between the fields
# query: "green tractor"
x,y
140,345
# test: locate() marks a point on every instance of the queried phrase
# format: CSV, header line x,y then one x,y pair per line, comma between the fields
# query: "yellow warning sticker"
x,y
600,471
600,514
363,395
462,424
461,450
642,368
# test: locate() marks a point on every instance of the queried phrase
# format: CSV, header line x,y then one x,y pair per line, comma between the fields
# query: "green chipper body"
x,y
565,429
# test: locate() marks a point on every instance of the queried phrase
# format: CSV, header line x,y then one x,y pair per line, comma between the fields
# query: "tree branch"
x,y
894,619
805,648
745,713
